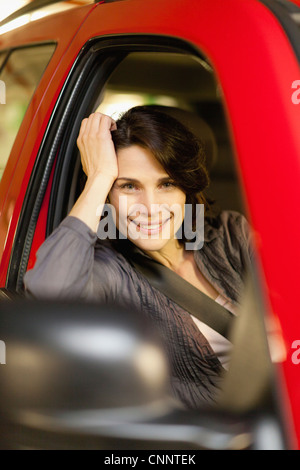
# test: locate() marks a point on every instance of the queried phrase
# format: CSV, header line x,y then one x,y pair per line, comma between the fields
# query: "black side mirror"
x,y
85,376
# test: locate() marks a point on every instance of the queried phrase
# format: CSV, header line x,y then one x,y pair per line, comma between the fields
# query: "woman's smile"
x,y
150,227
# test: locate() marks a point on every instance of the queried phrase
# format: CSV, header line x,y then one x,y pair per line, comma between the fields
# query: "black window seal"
x,y
55,137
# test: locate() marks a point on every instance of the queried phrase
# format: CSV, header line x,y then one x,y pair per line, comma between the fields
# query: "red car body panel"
x,y
243,41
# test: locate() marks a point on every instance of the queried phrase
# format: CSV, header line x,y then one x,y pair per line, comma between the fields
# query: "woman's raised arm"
x,y
99,162
64,265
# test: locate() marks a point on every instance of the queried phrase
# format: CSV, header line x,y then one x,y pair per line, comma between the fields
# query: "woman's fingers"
x,y
106,124
97,123
113,126
94,122
96,146
83,126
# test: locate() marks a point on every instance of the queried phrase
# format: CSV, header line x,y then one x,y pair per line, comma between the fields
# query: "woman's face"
x,y
149,207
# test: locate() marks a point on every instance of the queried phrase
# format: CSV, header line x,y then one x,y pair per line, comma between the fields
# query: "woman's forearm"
x,y
89,205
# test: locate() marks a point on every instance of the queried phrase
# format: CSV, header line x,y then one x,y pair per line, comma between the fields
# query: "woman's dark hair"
x,y
178,151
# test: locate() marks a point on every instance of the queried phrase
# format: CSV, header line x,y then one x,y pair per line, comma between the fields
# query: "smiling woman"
x,y
161,171
150,167
168,162
149,205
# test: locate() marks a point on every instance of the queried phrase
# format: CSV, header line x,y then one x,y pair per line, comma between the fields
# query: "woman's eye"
x,y
168,184
129,186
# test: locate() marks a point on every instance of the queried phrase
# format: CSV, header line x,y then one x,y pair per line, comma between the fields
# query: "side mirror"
x,y
85,376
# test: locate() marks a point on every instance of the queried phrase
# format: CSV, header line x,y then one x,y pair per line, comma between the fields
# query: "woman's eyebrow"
x,y
134,180
165,178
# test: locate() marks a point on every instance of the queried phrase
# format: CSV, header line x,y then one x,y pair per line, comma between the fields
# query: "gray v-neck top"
x,y
74,263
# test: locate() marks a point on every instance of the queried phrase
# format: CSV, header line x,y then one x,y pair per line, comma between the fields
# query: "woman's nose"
x,y
150,202
146,205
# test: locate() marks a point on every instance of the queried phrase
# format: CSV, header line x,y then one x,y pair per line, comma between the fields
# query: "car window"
x,y
19,78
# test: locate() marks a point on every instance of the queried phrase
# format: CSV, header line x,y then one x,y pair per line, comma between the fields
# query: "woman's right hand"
x,y
98,155
99,162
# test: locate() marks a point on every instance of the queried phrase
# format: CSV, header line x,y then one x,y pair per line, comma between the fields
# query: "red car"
x,y
234,65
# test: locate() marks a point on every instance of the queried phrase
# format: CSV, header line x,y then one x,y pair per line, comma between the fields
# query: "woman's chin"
x,y
149,244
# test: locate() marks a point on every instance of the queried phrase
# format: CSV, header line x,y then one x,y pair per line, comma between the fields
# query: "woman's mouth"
x,y
150,228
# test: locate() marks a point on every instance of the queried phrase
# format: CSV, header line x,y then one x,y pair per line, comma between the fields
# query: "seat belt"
x,y
184,294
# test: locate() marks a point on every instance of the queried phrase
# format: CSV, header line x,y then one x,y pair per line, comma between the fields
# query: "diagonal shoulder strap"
x,y
184,294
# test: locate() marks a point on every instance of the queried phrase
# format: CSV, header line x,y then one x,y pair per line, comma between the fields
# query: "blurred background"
x,y
47,6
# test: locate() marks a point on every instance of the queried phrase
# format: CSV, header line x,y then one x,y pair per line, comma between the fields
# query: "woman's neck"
x,y
172,257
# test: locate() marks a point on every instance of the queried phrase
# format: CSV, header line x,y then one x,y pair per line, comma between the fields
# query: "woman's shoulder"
x,y
114,274
109,254
229,233
231,224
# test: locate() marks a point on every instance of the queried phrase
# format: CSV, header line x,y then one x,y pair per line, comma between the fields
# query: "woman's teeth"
x,y
149,227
